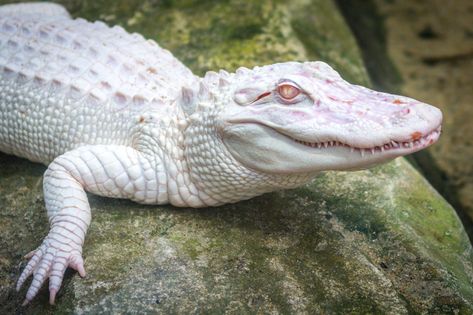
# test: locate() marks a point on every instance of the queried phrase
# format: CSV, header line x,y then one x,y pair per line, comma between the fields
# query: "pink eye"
x,y
288,91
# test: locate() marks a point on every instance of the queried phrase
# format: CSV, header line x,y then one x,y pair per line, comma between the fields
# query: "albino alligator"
x,y
116,115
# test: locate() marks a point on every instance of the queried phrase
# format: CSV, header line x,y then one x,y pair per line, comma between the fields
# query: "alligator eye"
x,y
288,91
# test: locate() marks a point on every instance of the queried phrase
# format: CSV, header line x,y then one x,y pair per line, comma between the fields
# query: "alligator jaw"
x,y
408,145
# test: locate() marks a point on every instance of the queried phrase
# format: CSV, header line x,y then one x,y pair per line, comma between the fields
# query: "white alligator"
x,y
116,115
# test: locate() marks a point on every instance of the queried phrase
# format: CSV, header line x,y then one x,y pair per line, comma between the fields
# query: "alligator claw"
x,y
50,261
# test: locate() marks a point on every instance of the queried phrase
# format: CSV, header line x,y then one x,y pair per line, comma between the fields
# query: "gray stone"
x,y
375,241
424,49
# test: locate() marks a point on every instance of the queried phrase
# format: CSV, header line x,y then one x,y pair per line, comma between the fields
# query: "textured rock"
x,y
428,55
437,65
376,241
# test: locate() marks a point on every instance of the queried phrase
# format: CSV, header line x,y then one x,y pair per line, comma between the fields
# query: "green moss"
x,y
370,32
321,29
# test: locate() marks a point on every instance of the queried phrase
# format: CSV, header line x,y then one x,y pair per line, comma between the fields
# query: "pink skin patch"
x,y
398,102
300,115
416,135
336,99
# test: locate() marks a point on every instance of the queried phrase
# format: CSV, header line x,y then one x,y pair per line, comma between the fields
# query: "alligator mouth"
x,y
414,144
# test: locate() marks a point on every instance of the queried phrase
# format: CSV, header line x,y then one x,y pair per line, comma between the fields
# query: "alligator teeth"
x,y
387,146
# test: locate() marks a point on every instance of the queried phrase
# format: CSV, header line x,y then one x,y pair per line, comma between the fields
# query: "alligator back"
x,y
67,82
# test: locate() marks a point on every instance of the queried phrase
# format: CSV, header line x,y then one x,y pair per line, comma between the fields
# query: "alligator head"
x,y
303,117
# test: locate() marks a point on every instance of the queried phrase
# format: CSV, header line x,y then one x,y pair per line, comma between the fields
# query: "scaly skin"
x,y
116,115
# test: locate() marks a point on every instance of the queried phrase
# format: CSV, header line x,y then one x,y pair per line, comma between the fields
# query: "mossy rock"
x,y
375,241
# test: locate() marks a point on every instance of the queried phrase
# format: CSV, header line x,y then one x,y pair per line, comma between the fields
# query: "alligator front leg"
x,y
113,171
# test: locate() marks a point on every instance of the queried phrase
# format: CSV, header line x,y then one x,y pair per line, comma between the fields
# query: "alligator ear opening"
x,y
250,95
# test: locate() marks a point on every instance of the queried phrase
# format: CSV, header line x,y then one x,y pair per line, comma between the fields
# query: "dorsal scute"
x,y
34,8
109,63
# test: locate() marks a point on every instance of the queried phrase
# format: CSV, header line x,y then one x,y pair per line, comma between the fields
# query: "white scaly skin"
x,y
115,115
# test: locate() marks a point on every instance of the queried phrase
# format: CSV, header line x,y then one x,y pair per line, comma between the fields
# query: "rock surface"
x,y
428,54
375,241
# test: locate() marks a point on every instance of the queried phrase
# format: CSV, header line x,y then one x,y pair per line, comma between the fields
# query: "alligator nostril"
x,y
401,114
405,111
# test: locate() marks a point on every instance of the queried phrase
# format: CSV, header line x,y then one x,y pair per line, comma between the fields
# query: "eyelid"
x,y
289,82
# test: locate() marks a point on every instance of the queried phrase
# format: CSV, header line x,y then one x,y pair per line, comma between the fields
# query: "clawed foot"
x,y
50,260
